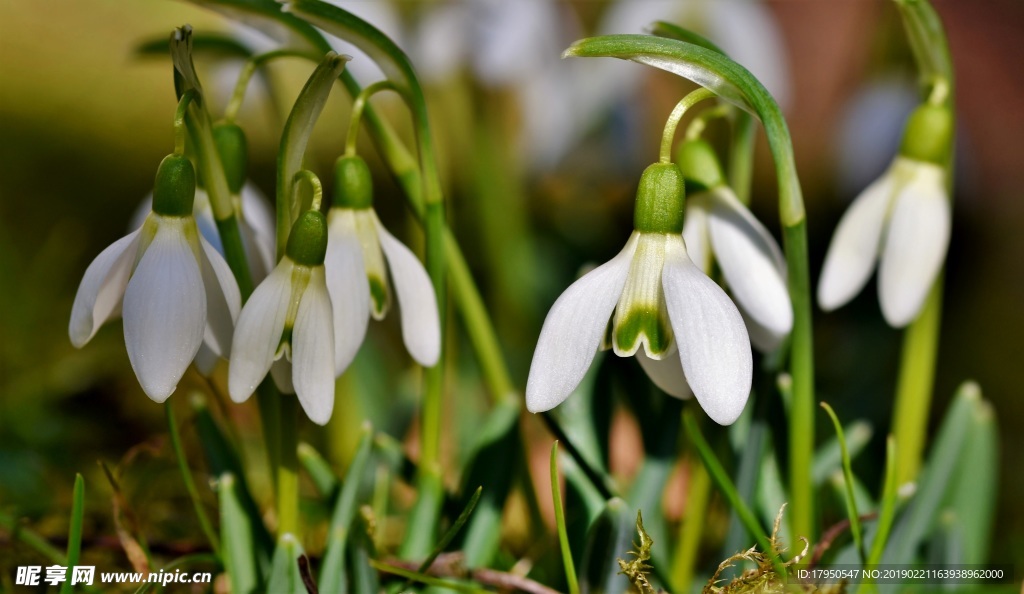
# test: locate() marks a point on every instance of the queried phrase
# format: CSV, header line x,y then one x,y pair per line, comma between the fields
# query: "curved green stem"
x,y
673,121
305,184
248,69
735,84
358,106
180,130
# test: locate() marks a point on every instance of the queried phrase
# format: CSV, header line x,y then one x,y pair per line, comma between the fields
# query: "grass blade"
x,y
239,554
186,476
851,502
332,571
563,535
75,531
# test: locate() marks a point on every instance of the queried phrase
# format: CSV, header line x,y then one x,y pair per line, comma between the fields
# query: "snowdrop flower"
x,y
253,213
903,219
289,315
360,251
173,289
719,227
656,304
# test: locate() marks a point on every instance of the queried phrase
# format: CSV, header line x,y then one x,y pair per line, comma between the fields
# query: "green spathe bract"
x,y
353,184
928,135
234,153
307,243
175,187
699,164
659,200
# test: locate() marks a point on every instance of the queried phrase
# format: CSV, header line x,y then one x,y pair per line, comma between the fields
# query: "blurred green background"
x,y
84,120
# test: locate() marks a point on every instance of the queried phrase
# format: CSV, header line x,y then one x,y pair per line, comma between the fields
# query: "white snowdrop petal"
x,y
714,348
667,373
695,230
258,332
421,327
751,263
573,330
313,350
258,231
165,309
854,247
915,245
223,300
102,288
348,287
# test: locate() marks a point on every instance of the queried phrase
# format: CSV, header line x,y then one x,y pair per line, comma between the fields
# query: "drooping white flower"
x,y
903,220
288,319
360,254
171,286
720,228
255,223
685,331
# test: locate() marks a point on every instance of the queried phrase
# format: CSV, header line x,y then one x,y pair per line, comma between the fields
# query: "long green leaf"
x,y
332,570
285,576
829,457
239,552
497,447
923,512
75,530
973,496
319,472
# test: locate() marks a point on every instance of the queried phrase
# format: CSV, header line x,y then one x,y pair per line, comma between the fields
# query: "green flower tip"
x,y
234,153
699,165
928,135
353,185
175,187
307,244
660,199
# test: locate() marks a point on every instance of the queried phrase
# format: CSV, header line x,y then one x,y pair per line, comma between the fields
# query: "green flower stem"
x,y
915,383
724,484
248,69
180,130
698,495
190,485
916,378
699,123
735,84
358,107
399,70
673,121
307,191
288,467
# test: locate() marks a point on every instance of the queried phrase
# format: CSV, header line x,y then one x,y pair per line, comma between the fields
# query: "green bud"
x,y
660,199
699,165
234,153
928,135
307,244
353,185
175,187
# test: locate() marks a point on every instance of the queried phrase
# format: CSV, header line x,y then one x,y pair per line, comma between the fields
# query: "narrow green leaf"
x,y
239,552
610,538
927,40
829,457
449,534
361,552
222,458
563,535
490,467
319,471
973,495
212,45
888,499
75,530
851,504
583,503
285,576
332,569
936,478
